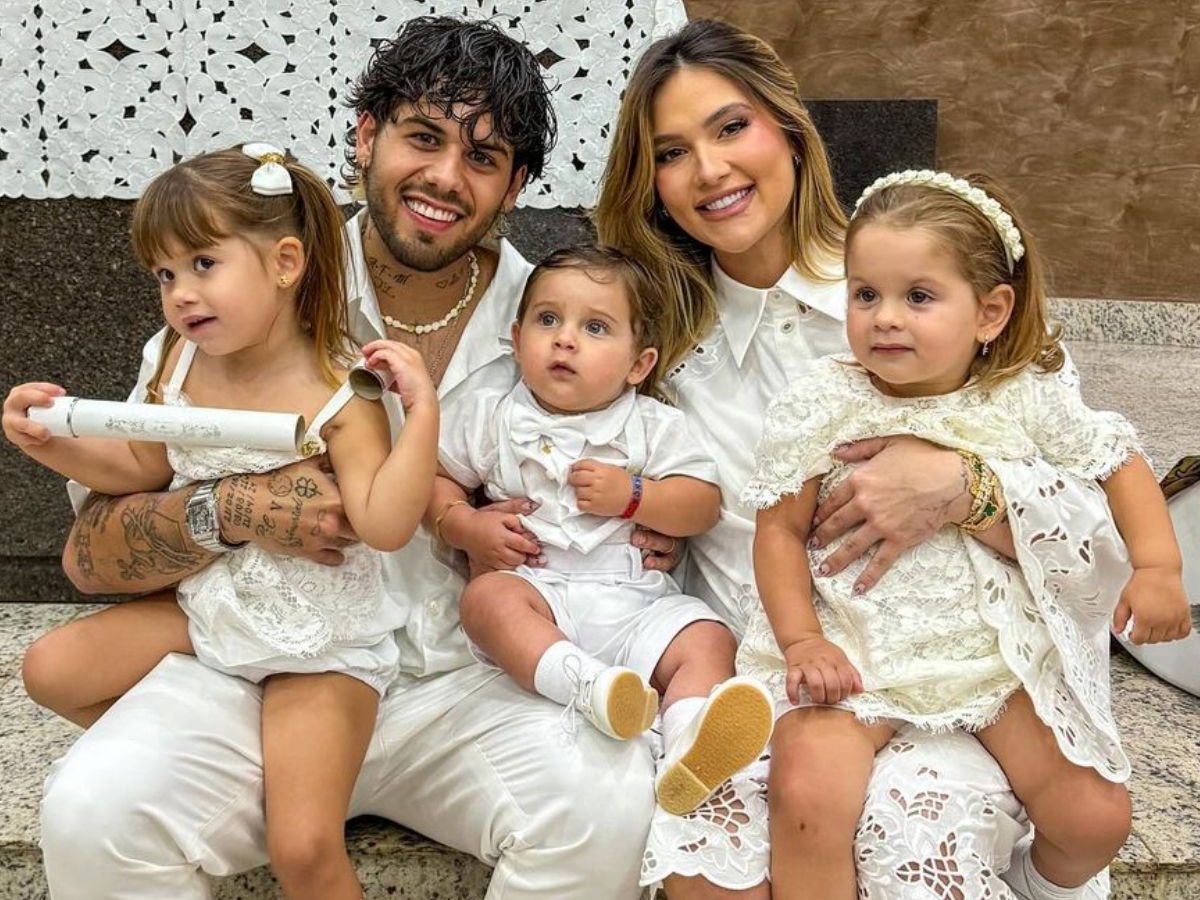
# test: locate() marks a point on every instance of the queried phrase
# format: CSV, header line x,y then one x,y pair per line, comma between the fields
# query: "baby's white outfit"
x,y
252,613
952,629
602,598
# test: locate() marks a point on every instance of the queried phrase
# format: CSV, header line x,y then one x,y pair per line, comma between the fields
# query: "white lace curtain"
x,y
99,96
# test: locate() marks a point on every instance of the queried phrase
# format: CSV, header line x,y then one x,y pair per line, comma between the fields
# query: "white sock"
x,y
560,669
678,716
1029,884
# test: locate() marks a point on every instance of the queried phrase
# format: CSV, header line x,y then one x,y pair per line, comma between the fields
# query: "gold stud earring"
x,y
284,281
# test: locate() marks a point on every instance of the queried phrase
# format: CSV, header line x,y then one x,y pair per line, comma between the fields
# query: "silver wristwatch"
x,y
202,522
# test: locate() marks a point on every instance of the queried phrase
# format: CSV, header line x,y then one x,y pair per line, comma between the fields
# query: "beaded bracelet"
x,y
987,503
635,499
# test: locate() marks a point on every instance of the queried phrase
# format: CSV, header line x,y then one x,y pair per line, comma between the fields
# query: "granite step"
x,y
1161,860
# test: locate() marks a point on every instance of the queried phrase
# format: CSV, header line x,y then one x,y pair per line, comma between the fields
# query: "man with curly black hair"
x,y
453,120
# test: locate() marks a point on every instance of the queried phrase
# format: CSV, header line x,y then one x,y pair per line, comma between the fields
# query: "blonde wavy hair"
x,y
627,216
971,239
208,198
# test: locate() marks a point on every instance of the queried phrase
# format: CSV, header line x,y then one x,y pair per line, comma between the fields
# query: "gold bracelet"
x,y
437,523
987,503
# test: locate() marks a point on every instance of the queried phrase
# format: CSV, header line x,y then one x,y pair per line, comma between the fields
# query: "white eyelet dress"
x,y
952,629
253,613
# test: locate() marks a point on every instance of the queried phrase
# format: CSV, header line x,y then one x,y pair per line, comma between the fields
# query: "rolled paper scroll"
x,y
369,383
195,426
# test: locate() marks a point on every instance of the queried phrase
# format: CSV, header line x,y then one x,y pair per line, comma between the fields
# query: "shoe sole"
x,y
631,706
734,734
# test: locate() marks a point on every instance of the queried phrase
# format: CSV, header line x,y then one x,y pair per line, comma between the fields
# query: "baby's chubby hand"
x,y
18,427
600,489
1154,598
822,667
410,379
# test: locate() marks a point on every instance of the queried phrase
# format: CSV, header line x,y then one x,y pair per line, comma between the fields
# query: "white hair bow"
x,y
271,178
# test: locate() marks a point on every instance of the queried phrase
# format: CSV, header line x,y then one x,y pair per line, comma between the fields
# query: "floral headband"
x,y
1010,236
271,178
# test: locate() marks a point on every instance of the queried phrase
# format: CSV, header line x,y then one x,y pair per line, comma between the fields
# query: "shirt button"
x,y
787,327
432,609
774,295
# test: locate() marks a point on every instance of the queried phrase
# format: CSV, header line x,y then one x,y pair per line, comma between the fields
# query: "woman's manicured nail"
x,y
823,569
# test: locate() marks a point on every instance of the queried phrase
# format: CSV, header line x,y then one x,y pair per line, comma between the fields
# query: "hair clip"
x,y
271,178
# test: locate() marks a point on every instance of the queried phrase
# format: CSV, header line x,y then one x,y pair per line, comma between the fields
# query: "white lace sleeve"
x,y
799,431
1074,438
1074,565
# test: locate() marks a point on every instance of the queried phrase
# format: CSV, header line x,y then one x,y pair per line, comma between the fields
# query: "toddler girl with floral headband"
x,y
946,322
246,246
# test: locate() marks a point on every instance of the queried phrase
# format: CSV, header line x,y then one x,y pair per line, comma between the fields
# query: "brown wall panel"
x,y
1087,110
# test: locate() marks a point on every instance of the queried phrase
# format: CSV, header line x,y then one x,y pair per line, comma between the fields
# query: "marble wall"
x,y
1087,110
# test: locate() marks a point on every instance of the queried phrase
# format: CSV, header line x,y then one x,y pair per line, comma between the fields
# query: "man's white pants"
x,y
168,785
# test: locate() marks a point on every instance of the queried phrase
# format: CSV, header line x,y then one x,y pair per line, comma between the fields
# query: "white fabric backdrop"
x,y
99,96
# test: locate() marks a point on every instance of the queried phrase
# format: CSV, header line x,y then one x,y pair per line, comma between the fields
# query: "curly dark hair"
x,y
446,62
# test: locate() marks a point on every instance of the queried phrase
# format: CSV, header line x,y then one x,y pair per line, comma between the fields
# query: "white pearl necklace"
x,y
463,303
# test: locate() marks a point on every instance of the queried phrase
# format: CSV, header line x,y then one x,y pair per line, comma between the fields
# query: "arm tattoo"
x,y
92,518
157,544
238,506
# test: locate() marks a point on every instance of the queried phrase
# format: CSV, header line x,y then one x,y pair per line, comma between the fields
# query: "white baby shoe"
x,y
616,700
729,732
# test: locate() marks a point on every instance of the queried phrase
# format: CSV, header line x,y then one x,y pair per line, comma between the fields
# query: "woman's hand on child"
x,y
1154,598
410,377
18,427
660,552
904,491
493,536
822,667
600,489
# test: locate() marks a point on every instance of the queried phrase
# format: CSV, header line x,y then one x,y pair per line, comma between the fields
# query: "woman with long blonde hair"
x,y
718,183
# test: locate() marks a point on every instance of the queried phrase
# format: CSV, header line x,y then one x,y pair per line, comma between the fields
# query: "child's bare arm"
x,y
492,536
1154,596
781,565
385,489
105,465
785,588
677,506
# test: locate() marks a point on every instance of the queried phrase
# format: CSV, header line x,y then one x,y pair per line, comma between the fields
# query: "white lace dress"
x,y
253,613
952,629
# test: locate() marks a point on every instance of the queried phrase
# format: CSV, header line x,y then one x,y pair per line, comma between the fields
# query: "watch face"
x,y
201,517
203,521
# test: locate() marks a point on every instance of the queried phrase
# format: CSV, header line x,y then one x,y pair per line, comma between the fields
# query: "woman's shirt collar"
x,y
742,307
